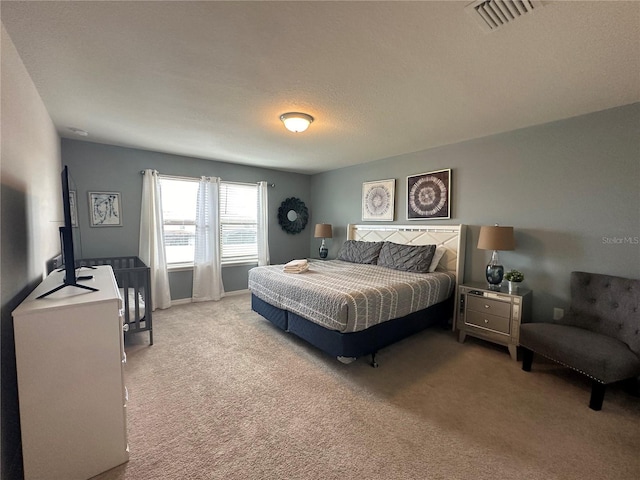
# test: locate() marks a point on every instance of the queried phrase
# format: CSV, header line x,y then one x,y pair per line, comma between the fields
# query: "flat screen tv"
x,y
66,239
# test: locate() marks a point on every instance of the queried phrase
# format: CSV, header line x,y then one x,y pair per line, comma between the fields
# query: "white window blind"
x,y
239,222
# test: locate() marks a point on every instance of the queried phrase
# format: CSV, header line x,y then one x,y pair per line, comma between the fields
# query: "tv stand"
x,y
65,284
70,366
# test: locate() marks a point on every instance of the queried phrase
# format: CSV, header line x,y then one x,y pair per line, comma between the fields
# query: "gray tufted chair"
x,y
599,336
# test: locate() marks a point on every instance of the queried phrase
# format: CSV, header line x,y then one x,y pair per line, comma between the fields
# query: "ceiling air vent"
x,y
493,14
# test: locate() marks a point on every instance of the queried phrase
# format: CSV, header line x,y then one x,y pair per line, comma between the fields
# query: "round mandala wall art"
x,y
429,195
378,200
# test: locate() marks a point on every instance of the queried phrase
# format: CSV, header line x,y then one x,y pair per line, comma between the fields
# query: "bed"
x,y
335,308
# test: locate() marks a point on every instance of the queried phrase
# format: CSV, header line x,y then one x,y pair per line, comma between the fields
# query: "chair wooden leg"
x,y
527,359
597,395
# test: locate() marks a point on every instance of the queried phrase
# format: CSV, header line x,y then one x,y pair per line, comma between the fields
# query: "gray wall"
x,y
96,167
31,212
571,189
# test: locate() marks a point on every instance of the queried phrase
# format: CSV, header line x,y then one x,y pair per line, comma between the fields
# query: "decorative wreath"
x,y
302,215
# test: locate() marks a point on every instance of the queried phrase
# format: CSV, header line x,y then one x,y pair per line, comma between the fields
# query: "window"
x,y
179,198
238,220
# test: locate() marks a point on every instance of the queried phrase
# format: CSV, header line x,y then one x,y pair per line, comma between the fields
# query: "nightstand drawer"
x,y
487,305
486,320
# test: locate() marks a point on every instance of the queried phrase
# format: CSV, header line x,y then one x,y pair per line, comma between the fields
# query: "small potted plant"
x,y
514,277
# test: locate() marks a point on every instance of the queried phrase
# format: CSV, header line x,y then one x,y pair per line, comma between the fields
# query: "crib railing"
x,y
134,281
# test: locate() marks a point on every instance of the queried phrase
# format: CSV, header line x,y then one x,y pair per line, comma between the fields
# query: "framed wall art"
x,y
73,203
104,209
429,195
378,200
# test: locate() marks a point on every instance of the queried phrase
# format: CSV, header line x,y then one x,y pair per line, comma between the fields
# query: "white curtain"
x,y
207,265
151,244
263,224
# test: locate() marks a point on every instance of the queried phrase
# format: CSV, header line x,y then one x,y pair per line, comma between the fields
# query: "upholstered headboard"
x,y
452,237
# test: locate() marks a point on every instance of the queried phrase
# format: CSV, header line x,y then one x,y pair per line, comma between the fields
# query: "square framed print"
x,y
104,209
378,200
429,195
73,203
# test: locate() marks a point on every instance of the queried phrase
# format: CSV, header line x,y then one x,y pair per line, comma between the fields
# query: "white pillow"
x,y
439,253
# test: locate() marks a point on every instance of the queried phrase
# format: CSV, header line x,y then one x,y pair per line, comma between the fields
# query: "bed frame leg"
x,y
374,364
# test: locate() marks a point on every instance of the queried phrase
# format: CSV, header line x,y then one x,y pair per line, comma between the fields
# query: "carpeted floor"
x,y
225,395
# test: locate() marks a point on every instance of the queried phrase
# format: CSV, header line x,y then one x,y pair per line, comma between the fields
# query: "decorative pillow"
x,y
411,258
356,251
437,256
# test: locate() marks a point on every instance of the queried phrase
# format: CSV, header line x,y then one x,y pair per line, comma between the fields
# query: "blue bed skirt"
x,y
355,344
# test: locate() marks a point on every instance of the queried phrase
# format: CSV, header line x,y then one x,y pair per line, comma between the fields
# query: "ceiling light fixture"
x,y
296,122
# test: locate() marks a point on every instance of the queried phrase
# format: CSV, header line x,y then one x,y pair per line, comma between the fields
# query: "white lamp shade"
x,y
296,122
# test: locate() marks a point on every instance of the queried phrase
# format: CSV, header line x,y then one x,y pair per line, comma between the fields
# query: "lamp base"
x,y
494,274
324,251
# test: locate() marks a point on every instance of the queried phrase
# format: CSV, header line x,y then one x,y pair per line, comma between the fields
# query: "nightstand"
x,y
493,315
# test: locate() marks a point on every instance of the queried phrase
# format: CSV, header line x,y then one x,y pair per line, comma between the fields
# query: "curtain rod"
x,y
195,179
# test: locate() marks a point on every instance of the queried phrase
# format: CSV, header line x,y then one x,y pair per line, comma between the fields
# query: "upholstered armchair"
x,y
599,336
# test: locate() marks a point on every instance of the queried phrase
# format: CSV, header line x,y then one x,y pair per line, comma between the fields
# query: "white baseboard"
x,y
183,301
236,292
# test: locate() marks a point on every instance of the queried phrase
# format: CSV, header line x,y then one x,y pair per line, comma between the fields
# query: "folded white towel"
x,y
296,266
297,263
296,270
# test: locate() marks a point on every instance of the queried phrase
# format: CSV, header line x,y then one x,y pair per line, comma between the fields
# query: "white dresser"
x,y
70,360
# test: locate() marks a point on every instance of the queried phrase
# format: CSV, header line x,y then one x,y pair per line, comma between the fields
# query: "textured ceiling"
x,y
210,79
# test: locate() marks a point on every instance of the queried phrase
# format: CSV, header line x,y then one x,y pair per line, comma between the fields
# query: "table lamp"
x,y
495,238
323,230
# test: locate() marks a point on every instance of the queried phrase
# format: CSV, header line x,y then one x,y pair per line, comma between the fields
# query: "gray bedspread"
x,y
349,297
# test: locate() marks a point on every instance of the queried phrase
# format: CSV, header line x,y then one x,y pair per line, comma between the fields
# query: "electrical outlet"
x,y
558,313
53,264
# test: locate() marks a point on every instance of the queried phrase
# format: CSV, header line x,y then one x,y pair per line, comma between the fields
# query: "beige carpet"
x,y
225,395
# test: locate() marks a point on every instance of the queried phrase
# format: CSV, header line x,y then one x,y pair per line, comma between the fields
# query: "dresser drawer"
x,y
488,321
487,305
